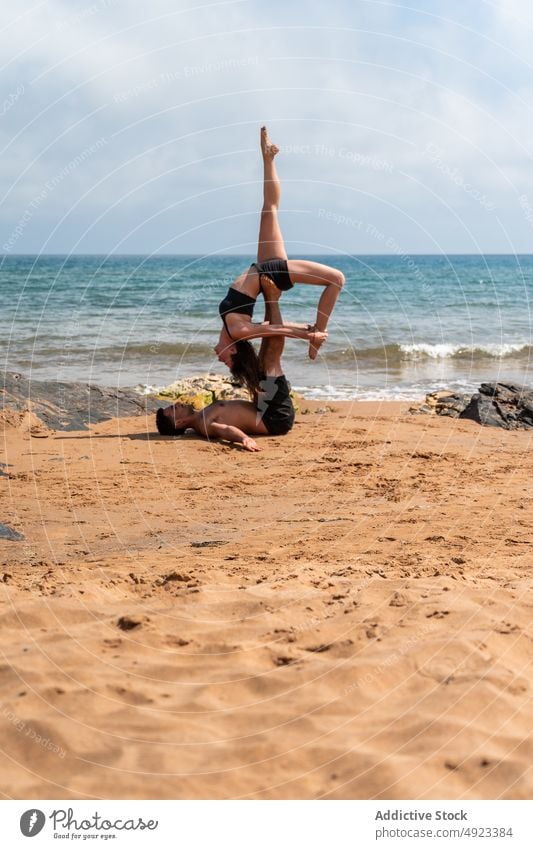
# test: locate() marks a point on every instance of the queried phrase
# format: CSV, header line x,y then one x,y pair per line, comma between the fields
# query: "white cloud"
x,y
180,93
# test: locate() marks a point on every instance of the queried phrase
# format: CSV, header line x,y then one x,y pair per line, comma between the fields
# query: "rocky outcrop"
x,y
505,405
202,390
69,406
8,533
32,405
443,403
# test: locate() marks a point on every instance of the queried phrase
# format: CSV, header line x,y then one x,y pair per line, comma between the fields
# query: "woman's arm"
x,y
290,324
251,330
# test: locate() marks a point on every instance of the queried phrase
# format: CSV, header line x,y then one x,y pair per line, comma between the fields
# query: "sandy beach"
x,y
344,615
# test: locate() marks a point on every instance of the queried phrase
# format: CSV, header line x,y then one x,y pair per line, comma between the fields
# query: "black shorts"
x,y
274,404
277,270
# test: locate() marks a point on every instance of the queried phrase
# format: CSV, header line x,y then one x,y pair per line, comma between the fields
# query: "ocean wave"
x,y
116,353
396,354
364,393
492,351
164,349
345,392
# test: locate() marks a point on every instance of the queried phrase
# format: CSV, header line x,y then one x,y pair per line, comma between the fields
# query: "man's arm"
x,y
205,422
231,434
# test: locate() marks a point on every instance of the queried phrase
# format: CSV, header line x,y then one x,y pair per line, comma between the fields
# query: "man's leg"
x,y
274,406
272,347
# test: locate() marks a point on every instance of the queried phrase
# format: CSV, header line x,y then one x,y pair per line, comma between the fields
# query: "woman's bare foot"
x,y
268,148
269,289
316,340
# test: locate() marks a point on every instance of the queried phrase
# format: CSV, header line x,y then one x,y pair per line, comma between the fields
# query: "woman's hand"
x,y
316,339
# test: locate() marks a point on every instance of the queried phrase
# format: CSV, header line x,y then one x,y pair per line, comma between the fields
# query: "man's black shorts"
x,y
274,404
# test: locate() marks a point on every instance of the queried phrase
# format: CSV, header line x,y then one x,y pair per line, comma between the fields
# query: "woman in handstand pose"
x,y
236,309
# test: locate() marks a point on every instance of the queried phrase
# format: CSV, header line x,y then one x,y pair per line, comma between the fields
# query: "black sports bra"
x,y
236,301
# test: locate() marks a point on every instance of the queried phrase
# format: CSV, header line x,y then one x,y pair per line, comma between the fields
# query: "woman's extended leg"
x,y
270,242
315,273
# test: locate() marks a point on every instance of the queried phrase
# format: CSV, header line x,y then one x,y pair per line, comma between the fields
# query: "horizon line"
x,y
210,256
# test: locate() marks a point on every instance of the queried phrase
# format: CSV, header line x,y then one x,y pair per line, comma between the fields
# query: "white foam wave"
x,y
447,350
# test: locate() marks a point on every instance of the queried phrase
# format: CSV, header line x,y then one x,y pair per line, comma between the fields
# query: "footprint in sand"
x,y
457,662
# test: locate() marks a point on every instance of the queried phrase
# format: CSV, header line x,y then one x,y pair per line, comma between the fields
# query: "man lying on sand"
x,y
271,411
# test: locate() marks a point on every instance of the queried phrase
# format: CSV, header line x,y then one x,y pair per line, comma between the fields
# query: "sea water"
x,y
403,326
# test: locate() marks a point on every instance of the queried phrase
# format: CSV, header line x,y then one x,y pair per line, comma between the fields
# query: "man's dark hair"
x,y
165,426
245,367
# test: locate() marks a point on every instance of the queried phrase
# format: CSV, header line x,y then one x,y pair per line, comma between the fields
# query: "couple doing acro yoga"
x,y
271,410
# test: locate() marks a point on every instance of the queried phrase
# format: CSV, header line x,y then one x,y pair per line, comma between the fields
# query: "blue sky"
x,y
132,128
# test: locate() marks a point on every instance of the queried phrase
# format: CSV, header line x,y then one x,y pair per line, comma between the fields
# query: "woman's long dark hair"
x,y
245,367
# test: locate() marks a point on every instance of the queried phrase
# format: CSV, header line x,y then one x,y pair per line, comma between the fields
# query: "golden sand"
x,y
344,615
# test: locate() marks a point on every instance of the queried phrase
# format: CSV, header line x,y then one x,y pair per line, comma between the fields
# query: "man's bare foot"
x,y
316,340
268,148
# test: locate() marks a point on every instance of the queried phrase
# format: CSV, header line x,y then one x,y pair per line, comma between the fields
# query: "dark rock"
x,y
71,406
483,411
502,390
527,402
505,405
444,403
127,623
455,403
176,576
283,660
8,533
208,543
